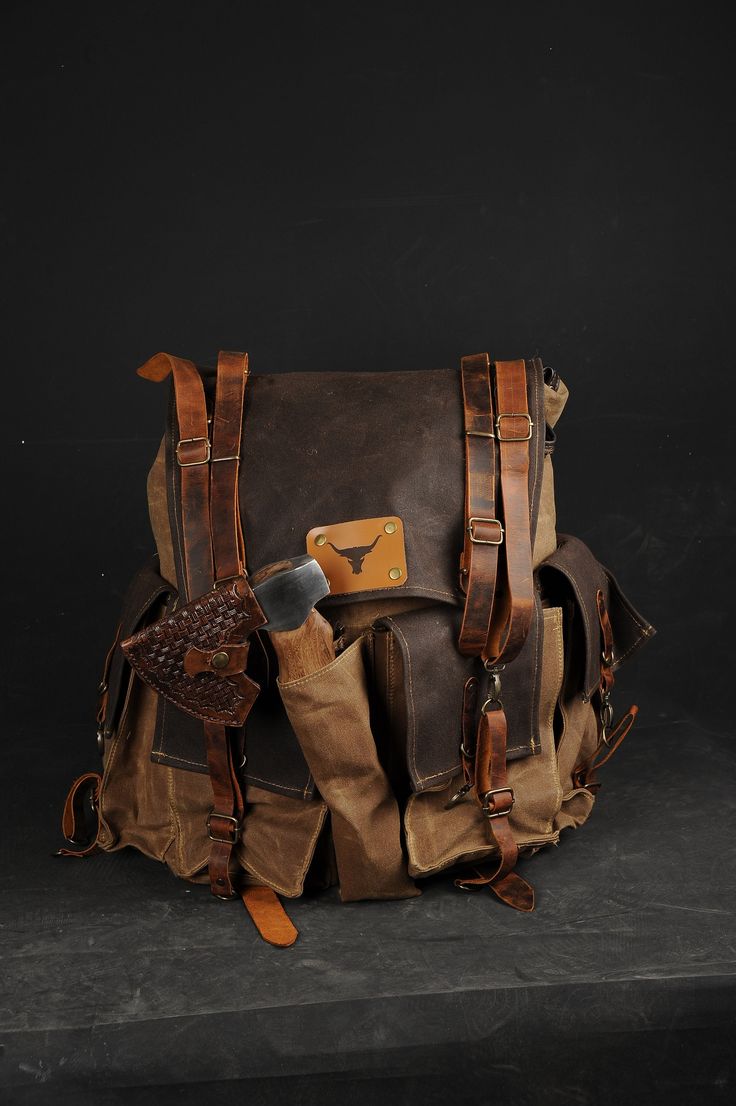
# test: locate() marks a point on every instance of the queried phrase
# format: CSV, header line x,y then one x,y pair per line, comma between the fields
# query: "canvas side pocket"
x,y
329,711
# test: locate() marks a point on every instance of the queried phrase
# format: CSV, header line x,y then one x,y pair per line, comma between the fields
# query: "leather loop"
x,y
585,774
73,822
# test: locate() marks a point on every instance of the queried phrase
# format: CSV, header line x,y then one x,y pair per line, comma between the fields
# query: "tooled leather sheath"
x,y
195,656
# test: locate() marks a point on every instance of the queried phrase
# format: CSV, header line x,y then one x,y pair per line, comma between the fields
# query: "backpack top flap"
x,y
326,448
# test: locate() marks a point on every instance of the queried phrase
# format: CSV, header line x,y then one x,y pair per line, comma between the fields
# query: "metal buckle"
x,y
191,464
233,840
484,541
489,811
512,437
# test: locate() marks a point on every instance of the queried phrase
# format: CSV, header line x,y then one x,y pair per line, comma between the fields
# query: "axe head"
x,y
287,590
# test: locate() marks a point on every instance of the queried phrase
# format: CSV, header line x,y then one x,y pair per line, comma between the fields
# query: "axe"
x,y
196,655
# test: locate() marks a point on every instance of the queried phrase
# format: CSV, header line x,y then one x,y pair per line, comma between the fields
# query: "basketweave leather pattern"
x,y
224,617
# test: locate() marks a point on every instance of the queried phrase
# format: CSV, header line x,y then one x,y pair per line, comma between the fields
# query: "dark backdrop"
x,y
344,186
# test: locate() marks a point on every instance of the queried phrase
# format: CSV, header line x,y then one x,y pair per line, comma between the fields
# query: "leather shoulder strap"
x,y
227,423
513,613
192,453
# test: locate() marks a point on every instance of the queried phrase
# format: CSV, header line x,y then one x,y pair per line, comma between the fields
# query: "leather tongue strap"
x,y
497,800
269,916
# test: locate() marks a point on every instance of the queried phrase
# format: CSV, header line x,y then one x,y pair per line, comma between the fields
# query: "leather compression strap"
x,y
214,551
496,570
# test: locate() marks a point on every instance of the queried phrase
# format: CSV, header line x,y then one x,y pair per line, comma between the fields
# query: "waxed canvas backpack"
x,y
361,653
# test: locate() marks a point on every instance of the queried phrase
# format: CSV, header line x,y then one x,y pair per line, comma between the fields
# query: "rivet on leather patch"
x,y
362,555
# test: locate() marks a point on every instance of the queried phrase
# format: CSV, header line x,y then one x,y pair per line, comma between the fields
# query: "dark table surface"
x,y
123,984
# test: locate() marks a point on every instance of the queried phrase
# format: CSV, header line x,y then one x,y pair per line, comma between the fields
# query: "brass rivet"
x,y
390,527
320,539
394,573
220,660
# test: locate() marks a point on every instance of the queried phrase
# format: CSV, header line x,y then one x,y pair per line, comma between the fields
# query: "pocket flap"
x,y
584,577
145,590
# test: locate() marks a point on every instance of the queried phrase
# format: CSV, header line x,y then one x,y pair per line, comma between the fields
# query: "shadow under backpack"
x,y
446,707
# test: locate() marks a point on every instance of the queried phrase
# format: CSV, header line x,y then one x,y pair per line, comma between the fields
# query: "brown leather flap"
x,y
141,602
419,676
571,577
325,448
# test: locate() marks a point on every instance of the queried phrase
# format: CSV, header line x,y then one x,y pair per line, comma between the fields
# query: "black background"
x,y
343,186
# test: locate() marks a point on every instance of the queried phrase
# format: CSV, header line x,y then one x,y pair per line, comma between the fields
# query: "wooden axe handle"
x,y
305,650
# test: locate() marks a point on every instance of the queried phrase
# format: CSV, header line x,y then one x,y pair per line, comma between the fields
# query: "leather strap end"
x,y
156,368
269,917
513,890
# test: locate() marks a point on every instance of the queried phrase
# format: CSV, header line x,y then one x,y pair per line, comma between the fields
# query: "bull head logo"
x,y
356,554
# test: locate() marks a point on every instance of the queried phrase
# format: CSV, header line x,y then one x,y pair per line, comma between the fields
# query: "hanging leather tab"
x,y
269,917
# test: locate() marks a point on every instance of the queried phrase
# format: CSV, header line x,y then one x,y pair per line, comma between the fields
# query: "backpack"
x,y
413,674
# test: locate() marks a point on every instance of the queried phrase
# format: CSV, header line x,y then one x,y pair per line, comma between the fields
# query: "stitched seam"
x,y
410,682
284,786
408,591
182,760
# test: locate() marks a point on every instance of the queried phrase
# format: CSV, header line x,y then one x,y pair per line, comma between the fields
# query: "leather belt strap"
x,y
500,596
513,615
483,531
192,454
214,551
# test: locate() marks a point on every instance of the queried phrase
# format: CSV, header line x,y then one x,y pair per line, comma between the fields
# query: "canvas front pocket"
x,y
438,838
419,675
330,714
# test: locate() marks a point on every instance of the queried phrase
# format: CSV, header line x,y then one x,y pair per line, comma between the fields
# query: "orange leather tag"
x,y
362,555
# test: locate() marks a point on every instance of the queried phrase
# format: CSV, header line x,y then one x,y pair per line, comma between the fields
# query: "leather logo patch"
x,y
362,555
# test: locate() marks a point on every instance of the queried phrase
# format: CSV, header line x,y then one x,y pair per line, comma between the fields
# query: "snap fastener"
x,y
220,660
